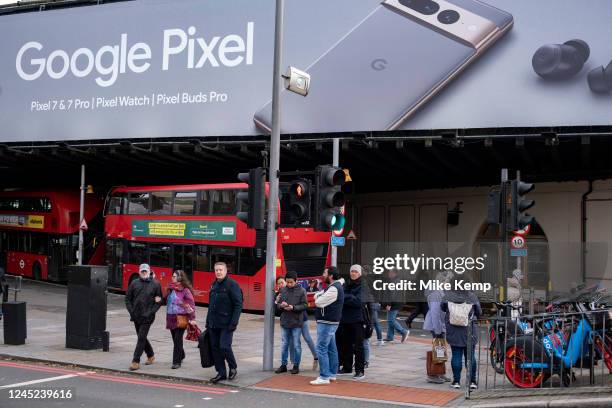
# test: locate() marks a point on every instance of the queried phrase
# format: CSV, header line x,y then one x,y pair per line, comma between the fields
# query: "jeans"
x,y
393,324
366,350
290,338
308,339
375,321
142,344
326,350
459,353
221,345
178,353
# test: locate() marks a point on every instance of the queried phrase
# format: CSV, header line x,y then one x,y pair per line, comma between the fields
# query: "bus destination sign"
x,y
207,230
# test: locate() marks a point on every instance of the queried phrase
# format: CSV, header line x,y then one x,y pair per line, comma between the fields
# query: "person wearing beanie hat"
x,y
291,302
350,332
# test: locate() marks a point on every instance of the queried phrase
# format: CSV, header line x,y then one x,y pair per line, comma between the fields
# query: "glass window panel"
x,y
161,202
185,202
138,203
224,202
204,202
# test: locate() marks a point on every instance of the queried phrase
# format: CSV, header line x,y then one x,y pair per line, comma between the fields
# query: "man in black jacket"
x,y
351,326
225,306
143,300
291,301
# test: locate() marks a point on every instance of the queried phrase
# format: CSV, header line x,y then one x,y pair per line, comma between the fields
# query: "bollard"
x,y
15,330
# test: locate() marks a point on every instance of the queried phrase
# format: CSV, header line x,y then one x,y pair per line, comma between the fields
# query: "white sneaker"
x,y
320,381
333,379
379,343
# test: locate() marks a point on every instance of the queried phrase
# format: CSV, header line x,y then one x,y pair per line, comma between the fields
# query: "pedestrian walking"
x,y
435,318
225,306
328,314
393,308
462,308
420,308
351,326
143,300
180,312
291,301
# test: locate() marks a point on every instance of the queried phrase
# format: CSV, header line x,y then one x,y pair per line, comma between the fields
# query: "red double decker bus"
x,y
39,232
191,227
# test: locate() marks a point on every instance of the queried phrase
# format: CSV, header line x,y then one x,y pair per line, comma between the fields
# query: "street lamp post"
x,y
268,350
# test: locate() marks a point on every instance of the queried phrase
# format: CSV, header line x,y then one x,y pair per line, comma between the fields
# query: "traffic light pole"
x,y
268,349
81,215
504,233
335,163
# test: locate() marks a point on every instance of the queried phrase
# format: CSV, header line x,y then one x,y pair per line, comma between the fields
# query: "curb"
x,y
605,402
114,370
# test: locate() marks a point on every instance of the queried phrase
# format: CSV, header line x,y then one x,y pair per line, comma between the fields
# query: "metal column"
x,y
268,350
336,163
81,215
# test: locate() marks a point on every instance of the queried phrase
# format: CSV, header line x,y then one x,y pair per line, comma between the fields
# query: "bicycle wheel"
x,y
521,377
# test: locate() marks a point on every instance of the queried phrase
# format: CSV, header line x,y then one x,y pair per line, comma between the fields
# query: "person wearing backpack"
x,y
435,318
351,326
462,308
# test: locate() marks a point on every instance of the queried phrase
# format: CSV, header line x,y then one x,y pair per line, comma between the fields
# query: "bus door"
x,y
3,248
183,259
229,255
59,257
114,260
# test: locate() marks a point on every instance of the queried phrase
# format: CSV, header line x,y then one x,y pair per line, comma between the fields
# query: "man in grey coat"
x,y
291,302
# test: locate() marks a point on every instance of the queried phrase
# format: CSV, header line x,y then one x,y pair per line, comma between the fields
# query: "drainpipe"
x,y
583,231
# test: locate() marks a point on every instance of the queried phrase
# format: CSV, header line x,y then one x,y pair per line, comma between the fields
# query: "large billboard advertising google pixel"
x,y
161,68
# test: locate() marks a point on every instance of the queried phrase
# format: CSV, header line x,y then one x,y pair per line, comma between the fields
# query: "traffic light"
x,y
494,206
329,198
519,219
254,199
299,201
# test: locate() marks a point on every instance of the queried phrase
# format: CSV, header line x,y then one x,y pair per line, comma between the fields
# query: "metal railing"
x,y
563,348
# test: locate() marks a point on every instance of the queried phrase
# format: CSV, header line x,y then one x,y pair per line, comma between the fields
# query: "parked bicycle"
x,y
503,328
577,334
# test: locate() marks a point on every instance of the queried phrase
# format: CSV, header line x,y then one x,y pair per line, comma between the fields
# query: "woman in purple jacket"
x,y
179,303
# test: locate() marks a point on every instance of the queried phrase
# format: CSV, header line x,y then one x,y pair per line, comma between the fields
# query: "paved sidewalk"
x,y
396,371
398,364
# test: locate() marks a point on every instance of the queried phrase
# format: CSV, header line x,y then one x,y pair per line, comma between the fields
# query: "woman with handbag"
x,y
180,313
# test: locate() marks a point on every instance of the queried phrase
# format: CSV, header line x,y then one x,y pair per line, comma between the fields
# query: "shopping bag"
x,y
434,369
439,350
193,333
206,358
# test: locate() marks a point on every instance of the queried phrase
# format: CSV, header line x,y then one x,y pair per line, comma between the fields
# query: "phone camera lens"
x,y
448,17
427,7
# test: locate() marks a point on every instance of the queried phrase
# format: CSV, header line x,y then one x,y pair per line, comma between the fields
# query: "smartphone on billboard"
x,y
389,65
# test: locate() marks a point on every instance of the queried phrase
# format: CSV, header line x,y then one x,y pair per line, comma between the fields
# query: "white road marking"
x,y
61,377
178,406
234,391
207,398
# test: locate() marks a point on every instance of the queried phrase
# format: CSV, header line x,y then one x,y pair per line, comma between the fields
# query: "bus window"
x,y
224,254
116,204
204,205
305,259
137,253
185,202
223,202
251,261
161,202
202,261
39,244
160,255
138,203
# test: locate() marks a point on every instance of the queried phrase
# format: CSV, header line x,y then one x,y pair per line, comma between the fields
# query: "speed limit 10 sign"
x,y
518,242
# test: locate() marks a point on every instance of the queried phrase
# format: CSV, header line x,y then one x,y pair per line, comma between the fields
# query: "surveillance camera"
x,y
297,81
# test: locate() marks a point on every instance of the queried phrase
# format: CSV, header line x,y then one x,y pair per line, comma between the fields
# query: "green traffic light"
x,y
338,222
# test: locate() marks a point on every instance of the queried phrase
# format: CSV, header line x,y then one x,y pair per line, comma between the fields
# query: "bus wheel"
x,y
36,271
